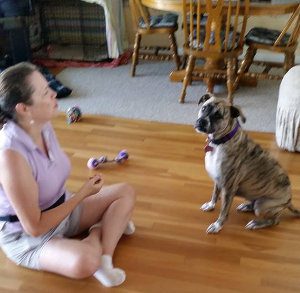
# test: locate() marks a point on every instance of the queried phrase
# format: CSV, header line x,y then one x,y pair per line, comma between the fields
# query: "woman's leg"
x,y
113,205
71,257
80,259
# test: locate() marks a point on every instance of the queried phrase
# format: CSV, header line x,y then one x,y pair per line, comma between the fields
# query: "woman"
x,y
37,216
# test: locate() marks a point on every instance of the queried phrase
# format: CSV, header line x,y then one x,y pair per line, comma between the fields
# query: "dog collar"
x,y
223,139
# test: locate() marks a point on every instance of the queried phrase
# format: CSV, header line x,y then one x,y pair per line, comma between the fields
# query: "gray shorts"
x,y
25,250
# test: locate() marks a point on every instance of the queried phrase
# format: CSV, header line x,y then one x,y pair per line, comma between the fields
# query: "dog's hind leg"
x,y
295,211
246,207
262,223
210,206
268,212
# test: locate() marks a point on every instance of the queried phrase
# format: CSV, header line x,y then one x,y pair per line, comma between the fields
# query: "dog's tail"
x,y
295,211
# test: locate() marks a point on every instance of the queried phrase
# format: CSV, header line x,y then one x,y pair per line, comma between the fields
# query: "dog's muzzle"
x,y
201,125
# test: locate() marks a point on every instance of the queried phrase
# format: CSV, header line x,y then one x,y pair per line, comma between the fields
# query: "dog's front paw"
x,y
214,228
208,206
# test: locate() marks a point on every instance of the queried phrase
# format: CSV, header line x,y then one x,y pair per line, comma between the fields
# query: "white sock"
x,y
130,228
107,274
97,225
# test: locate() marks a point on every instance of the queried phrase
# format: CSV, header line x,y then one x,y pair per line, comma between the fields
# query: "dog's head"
x,y
216,115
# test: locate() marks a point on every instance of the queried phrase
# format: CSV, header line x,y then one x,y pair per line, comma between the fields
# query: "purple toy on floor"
x,y
94,163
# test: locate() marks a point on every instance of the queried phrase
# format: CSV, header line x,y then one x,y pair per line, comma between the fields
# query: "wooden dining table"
x,y
262,8
256,8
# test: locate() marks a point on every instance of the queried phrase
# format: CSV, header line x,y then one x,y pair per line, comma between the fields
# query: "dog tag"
x,y
208,148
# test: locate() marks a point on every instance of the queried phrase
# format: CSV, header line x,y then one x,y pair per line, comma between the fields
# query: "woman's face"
x,y
44,106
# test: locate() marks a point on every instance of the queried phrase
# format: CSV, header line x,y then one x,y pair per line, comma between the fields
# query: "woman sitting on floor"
x,y
37,215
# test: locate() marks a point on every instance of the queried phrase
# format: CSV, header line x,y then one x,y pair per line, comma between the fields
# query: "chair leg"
x,y
249,56
184,60
187,77
231,73
245,65
183,65
210,84
135,54
173,46
289,61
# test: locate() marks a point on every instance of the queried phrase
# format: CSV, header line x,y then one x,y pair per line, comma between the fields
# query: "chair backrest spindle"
x,y
207,25
198,19
214,30
294,24
139,12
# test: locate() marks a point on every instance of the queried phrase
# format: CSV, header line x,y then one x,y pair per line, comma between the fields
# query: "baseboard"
x,y
263,56
273,57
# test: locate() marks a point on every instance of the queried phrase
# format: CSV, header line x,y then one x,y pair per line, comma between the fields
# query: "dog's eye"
x,y
217,115
207,108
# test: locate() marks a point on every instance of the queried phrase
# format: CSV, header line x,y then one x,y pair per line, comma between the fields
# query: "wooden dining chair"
x,y
270,40
147,24
219,42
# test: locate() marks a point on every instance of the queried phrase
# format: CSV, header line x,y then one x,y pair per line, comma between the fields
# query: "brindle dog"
x,y
240,167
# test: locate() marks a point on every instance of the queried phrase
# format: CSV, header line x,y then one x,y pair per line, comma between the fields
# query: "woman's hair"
x,y
14,89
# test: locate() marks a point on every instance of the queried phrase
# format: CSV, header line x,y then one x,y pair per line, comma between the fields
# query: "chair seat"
x,y
168,20
265,36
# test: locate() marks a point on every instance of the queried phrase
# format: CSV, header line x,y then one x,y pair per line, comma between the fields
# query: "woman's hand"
x,y
92,186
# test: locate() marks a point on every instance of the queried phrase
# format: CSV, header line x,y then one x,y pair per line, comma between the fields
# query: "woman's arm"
x,y
22,191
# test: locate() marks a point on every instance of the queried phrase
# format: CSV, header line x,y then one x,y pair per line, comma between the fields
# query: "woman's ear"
x,y
21,109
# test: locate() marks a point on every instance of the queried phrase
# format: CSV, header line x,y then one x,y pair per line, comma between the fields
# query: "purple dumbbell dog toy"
x,y
94,163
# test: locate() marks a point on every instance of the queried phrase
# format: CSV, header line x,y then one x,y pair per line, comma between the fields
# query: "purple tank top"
x,y
50,172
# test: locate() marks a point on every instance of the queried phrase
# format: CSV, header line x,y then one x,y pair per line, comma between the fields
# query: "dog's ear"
x,y
204,98
237,112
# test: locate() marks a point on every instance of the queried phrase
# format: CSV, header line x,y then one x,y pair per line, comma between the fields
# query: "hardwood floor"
x,y
170,251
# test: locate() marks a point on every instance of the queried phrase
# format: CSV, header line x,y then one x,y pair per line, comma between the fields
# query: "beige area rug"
x,y
151,96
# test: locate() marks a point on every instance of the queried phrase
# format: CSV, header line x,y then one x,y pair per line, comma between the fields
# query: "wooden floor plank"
x,y
170,251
